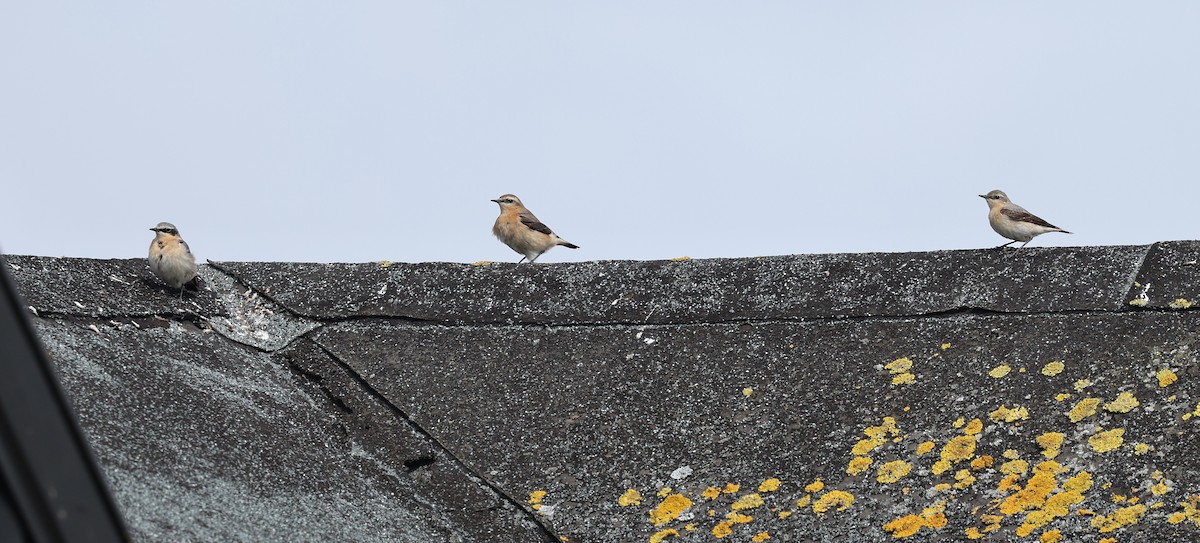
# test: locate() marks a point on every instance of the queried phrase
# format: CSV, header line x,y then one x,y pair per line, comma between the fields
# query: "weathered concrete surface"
x,y
449,402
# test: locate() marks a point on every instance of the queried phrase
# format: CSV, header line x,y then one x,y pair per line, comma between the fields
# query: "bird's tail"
x,y
1063,231
567,244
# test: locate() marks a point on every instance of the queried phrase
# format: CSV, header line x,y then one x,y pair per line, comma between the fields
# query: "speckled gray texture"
x,y
438,401
717,290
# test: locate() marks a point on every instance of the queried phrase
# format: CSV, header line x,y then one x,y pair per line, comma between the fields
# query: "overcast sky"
x,y
361,131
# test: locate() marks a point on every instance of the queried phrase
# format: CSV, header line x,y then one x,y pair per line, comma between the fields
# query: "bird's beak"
x,y
151,229
984,196
497,201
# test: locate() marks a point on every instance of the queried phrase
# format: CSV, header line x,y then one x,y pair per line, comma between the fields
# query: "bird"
x,y
1013,222
170,258
519,229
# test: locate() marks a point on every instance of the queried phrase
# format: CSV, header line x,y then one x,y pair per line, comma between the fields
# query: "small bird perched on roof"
x,y
1013,222
171,259
519,229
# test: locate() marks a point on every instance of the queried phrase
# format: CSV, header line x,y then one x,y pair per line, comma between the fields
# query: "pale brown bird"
x,y
170,258
518,228
1013,222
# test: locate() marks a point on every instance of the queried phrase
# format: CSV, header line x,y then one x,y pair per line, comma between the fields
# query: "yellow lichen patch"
x,y
840,499
664,492
630,497
1160,488
945,346
770,485
904,379
747,392
959,422
1166,377
899,365
999,371
681,259
537,496
1033,495
1082,384
1011,454
1108,540
941,487
669,509
982,462
1180,303
388,263
1191,511
1084,409
858,465
925,447
1125,516
749,501
786,514
661,535
803,502
1004,414
1124,403
739,518
973,427
711,493
760,537
973,533
893,471
1080,482
1061,397
904,526
964,478
1051,443
1051,536
1053,368
959,448
1139,302
1015,466
1009,482
723,529
731,488
1107,440
815,486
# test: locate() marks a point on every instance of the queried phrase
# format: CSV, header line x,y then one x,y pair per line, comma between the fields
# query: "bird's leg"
x,y
535,257
1007,244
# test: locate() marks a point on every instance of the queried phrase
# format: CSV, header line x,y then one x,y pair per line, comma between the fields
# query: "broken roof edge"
x,y
1164,275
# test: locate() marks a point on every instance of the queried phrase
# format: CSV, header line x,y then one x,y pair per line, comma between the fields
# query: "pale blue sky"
x,y
358,131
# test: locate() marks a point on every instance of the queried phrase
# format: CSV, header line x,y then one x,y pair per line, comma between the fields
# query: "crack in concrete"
x,y
372,392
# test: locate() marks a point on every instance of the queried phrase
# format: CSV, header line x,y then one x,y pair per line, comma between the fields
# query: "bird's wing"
x,y
534,224
1024,216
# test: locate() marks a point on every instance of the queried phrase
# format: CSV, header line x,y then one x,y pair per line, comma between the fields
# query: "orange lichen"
x,y
731,488
959,448
893,471
1160,488
1051,443
834,498
537,496
749,501
816,486
1124,403
761,536
1166,377
723,529
1061,397
1125,516
785,514
711,493
669,509
964,478
1051,536
1084,409
739,518
999,371
904,526
1009,482
982,462
1107,440
1033,495
858,465
899,365
1015,466
1004,414
1053,368
803,502
925,447
973,427
661,535
1191,511
770,485
630,497
664,492
940,467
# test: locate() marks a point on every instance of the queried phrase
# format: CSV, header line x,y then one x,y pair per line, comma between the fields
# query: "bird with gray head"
x,y
170,258
518,228
1013,221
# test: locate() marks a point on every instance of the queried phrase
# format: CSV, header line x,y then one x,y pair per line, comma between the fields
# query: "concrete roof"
x,y
945,394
